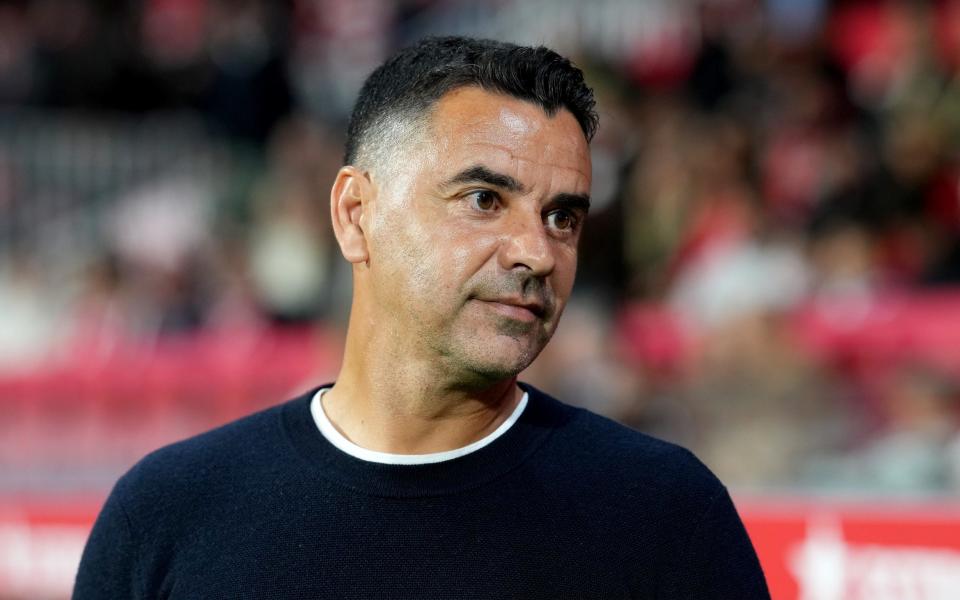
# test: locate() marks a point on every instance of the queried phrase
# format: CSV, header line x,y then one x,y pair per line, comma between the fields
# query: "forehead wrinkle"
x,y
538,164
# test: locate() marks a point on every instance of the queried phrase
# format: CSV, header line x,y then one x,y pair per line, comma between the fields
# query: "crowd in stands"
x,y
767,275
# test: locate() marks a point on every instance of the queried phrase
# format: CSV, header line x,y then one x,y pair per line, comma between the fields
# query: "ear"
x,y
348,198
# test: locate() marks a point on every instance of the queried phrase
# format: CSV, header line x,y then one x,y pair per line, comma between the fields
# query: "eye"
x,y
561,220
483,200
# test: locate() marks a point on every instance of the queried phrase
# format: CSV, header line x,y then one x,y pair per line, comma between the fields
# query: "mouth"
x,y
516,309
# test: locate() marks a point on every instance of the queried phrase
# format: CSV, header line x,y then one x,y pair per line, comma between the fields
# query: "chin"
x,y
498,363
485,353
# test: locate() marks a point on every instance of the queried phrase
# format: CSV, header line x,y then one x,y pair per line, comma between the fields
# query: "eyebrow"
x,y
481,174
571,201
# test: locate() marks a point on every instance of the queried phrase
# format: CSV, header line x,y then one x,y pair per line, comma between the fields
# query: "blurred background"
x,y
770,273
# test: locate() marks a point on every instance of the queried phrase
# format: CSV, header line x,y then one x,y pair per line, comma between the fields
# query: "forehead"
x,y
470,125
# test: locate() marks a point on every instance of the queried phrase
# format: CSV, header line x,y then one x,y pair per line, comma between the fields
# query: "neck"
x,y
392,400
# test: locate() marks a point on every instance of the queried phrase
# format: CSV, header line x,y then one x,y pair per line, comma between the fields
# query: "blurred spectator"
x,y
911,451
292,250
30,326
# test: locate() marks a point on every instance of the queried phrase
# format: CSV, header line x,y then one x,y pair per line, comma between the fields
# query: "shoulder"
x,y
207,465
641,488
612,456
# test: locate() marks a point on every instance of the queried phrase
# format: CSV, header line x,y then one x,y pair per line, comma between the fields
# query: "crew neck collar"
x,y
540,417
333,435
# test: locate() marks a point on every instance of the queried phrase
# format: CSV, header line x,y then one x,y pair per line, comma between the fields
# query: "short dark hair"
x,y
414,78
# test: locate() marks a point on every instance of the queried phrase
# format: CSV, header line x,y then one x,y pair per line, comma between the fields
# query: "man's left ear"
x,y
348,198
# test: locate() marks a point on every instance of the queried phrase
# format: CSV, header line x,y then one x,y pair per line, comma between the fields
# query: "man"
x,y
427,471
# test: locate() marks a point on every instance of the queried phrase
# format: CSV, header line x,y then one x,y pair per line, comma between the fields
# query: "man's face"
x,y
472,237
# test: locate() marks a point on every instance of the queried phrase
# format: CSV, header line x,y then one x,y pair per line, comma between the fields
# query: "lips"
x,y
516,307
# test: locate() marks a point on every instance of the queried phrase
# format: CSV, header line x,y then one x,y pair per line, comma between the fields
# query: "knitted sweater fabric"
x,y
565,504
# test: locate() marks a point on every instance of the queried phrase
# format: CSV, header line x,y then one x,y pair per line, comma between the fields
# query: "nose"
x,y
527,246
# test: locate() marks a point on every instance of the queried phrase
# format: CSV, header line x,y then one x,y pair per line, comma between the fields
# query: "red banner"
x,y
857,551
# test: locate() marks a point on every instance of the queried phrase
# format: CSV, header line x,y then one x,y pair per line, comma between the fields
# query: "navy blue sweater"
x,y
566,504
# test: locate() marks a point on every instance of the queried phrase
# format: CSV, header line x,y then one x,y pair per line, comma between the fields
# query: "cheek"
x,y
565,271
428,263
452,258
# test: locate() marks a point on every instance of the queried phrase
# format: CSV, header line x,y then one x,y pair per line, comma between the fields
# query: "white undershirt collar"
x,y
337,439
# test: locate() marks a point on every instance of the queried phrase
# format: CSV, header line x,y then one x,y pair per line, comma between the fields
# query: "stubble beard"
x,y
479,362
479,357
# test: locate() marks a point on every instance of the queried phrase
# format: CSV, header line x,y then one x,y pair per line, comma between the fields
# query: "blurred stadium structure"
x,y
769,276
